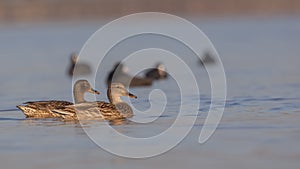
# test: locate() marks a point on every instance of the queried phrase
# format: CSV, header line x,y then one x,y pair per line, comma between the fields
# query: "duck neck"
x,y
78,96
160,72
113,98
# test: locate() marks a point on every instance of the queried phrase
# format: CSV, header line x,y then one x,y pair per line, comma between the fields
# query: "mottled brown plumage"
x,y
90,110
44,109
116,109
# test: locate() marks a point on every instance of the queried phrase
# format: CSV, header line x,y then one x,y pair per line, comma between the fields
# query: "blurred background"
x,y
53,10
258,44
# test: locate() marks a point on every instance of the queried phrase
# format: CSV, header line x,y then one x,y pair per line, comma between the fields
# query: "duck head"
x,y
116,90
81,87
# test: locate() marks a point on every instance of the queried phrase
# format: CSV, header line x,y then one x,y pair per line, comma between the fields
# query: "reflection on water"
x,y
9,119
260,127
117,122
48,122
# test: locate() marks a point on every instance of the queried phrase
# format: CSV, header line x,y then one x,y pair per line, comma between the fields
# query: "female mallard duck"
x,y
43,109
81,68
119,75
116,109
157,73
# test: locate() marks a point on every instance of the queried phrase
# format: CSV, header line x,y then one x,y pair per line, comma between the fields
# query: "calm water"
x,y
260,127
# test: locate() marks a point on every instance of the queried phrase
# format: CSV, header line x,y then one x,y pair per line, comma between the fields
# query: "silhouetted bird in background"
x,y
207,58
119,74
157,73
81,68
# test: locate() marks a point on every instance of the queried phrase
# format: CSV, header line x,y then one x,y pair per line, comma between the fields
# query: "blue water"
x,y
259,129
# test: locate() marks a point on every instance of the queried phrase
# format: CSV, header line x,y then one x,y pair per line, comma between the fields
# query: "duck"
x,y
81,68
115,109
119,73
207,59
43,109
157,73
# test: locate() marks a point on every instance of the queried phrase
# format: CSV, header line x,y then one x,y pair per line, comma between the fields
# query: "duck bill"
x,y
132,95
93,91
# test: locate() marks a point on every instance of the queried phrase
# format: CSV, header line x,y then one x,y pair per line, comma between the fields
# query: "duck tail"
x,y
28,112
21,107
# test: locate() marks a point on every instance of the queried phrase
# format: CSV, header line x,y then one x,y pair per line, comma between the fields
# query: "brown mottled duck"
x,y
116,109
44,109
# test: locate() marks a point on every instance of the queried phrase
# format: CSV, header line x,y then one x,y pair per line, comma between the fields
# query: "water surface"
x,y
260,127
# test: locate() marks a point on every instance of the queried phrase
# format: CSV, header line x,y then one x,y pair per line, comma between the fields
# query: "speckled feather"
x,y
91,110
42,109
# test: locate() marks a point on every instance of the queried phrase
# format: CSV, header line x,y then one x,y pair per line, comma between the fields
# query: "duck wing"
x,y
42,109
124,109
52,104
140,81
109,111
89,110
152,74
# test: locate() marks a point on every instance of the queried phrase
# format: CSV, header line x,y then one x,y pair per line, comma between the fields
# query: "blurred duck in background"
x,y
207,59
157,73
81,68
120,74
